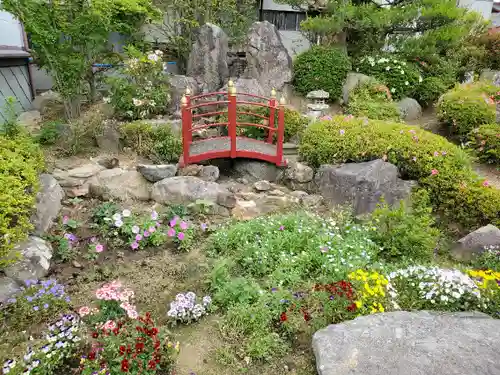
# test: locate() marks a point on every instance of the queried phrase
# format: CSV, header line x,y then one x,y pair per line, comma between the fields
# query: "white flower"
x,y
407,83
118,223
393,90
137,102
106,99
153,57
158,52
420,79
402,72
116,217
152,103
387,68
165,66
126,213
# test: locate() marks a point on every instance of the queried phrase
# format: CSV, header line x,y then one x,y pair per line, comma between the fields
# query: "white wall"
x,y
271,5
483,7
10,30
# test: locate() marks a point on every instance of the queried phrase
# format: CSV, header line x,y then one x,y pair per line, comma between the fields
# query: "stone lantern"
x,y
318,107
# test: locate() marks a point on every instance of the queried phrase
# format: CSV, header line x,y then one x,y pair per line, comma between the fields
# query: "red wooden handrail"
x,y
232,124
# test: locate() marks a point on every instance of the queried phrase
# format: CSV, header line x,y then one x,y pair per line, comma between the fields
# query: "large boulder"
x,y
409,109
34,263
155,173
186,189
362,185
207,62
31,120
476,242
268,60
8,288
47,100
108,137
254,170
178,85
48,204
249,86
416,343
352,81
120,184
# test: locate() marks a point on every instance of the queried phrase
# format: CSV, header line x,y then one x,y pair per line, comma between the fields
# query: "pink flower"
x,y
173,222
486,183
127,294
154,215
65,220
326,118
132,314
412,131
126,306
157,223
93,239
134,245
415,138
436,153
282,227
146,233
138,237
180,236
110,325
171,232
183,225
84,311
151,229
348,117
99,248
443,153
434,172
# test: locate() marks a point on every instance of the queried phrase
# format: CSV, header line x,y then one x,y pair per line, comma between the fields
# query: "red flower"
x,y
352,307
283,317
157,344
122,350
307,317
151,364
124,366
115,331
139,347
95,335
91,356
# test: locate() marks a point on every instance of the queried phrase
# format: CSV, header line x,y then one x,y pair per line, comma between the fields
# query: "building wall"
x,y
483,7
14,82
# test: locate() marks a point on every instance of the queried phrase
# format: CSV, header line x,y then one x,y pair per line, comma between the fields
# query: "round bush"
x,y
466,107
321,68
429,90
485,141
372,100
438,165
401,77
20,162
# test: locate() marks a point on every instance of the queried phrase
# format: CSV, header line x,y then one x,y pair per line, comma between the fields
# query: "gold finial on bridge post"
x,y
230,88
188,91
282,101
273,93
184,101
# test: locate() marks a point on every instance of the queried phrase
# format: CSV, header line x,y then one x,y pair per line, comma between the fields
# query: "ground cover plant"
x,y
439,166
372,100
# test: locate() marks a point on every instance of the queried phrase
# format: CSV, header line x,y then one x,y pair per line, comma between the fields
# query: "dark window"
x,y
284,20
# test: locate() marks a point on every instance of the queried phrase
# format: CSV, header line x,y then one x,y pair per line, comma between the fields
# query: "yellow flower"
x,y
359,304
177,346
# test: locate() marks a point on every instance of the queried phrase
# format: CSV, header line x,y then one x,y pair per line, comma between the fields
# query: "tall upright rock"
x,y
268,60
207,62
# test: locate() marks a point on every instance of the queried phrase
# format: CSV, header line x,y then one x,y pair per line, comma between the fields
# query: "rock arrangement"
x,y
417,343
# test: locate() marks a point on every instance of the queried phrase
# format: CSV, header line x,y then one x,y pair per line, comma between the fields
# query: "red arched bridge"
x,y
232,145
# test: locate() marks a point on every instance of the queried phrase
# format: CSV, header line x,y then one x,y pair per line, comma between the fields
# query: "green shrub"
x,y
466,107
321,68
10,127
143,89
405,232
489,259
438,165
429,90
50,132
372,100
295,123
485,141
158,143
20,163
491,42
401,77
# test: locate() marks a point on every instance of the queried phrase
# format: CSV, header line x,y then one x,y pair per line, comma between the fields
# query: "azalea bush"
x,y
142,89
321,68
401,77
485,141
429,90
374,101
45,354
439,166
187,308
467,106
133,346
37,302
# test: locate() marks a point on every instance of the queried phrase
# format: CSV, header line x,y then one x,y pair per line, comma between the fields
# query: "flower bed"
x,y
439,166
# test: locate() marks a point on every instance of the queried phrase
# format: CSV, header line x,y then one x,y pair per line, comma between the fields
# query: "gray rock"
x,y
48,204
476,242
120,184
312,201
245,210
268,60
352,81
155,173
254,170
178,85
299,172
8,288
85,171
362,185
109,138
207,62
31,120
318,94
35,260
249,86
409,109
185,189
190,170
492,76
209,173
45,100
226,199
262,185
416,343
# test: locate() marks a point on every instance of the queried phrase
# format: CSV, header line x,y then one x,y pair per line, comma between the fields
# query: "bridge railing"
x,y
189,105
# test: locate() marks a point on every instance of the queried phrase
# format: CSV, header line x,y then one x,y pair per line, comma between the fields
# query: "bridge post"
x,y
231,115
272,111
281,133
186,128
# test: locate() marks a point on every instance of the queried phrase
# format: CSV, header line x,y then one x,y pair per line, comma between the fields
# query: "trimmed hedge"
x,y
20,163
485,141
467,106
438,165
372,100
321,68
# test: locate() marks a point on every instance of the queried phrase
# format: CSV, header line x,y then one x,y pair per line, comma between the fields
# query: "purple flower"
x,y
274,289
158,224
29,299
203,227
11,300
35,308
152,229
282,227
134,245
183,225
46,306
324,249
342,131
173,222
154,215
93,239
171,232
146,233
180,236
138,237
